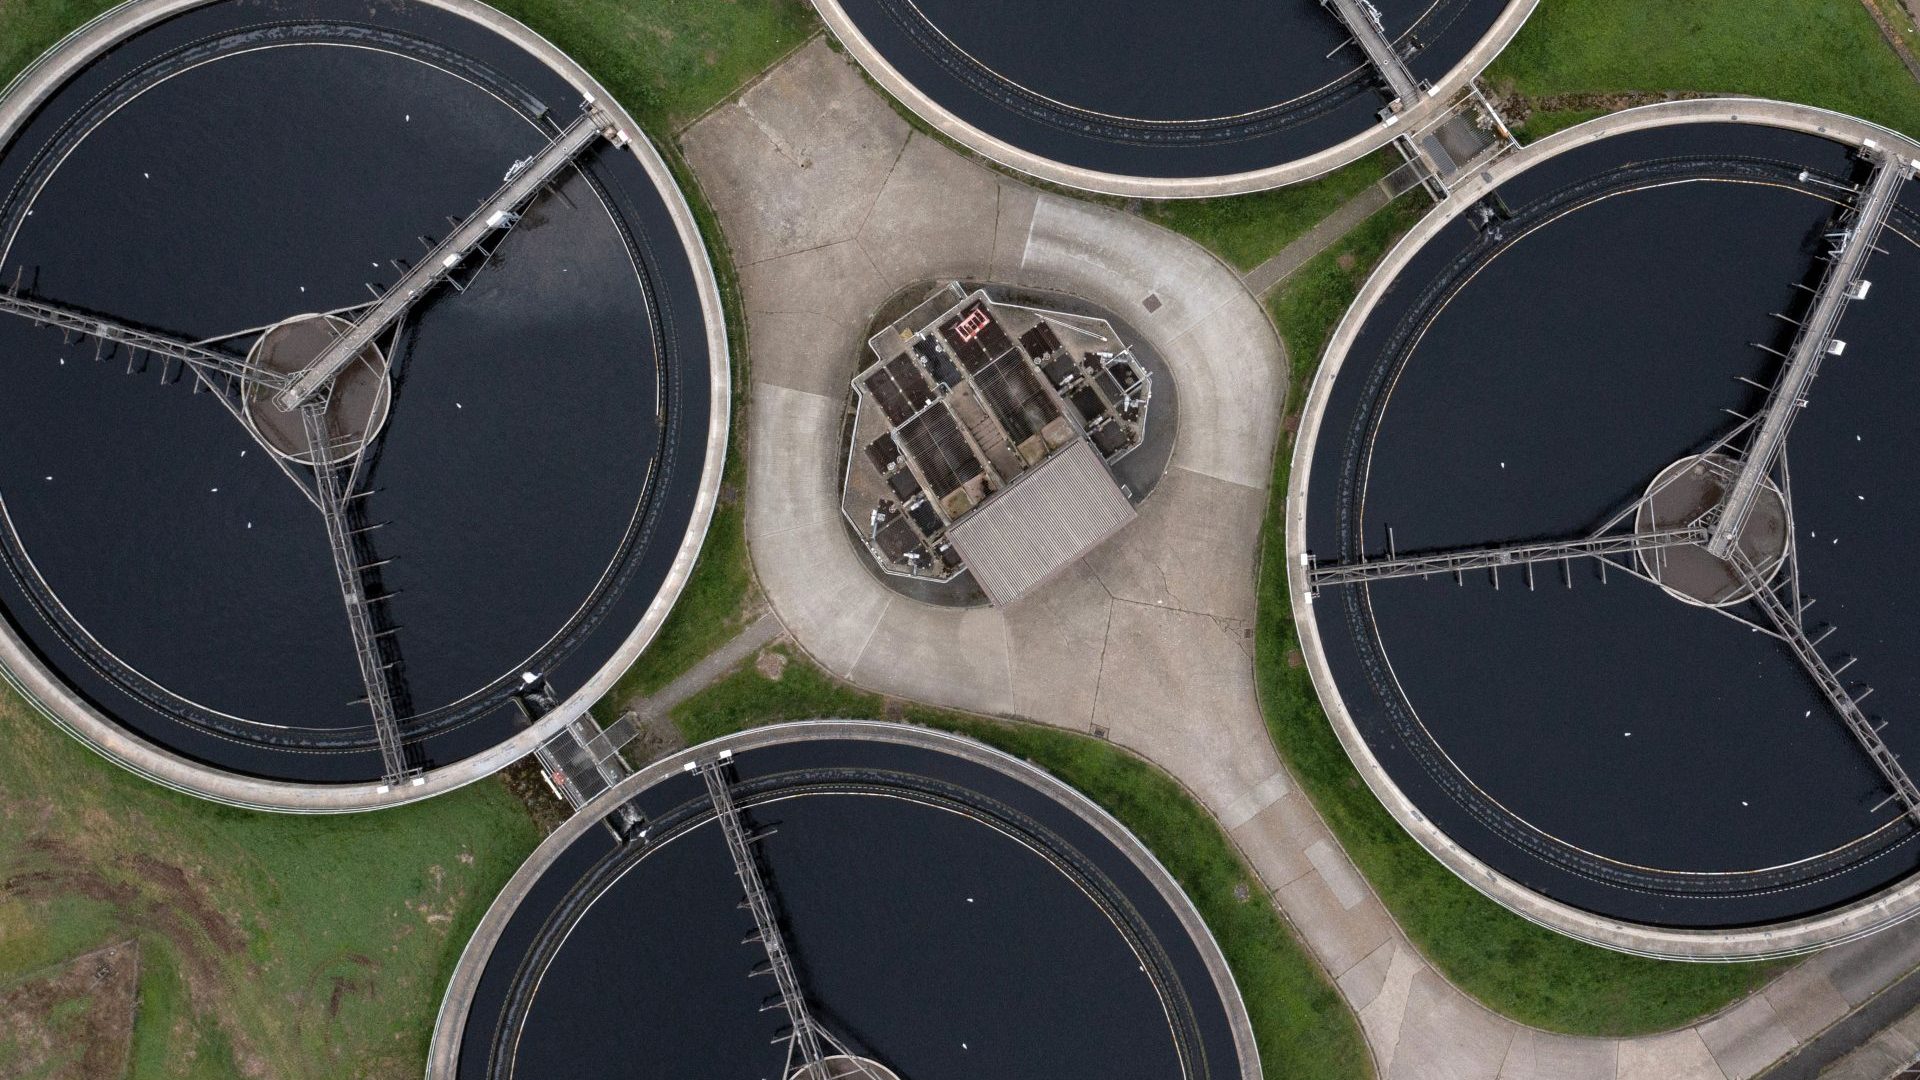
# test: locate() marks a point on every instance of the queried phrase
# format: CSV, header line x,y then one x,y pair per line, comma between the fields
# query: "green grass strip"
x,y
1816,52
1247,230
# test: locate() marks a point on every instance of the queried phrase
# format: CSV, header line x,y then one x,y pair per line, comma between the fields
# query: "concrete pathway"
x,y
753,637
1261,279
831,203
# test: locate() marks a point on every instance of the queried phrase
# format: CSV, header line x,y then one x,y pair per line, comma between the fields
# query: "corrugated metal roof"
x,y
1041,523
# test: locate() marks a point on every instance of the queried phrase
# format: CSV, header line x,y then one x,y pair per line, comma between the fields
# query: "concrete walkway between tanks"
x,y
831,203
1371,200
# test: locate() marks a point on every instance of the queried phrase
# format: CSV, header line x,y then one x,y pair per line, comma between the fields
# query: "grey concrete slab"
x,y
1175,688
1384,1013
1746,1038
792,483
1193,546
836,280
1860,969
1339,937
1678,1055
956,656
1447,1036
1540,1055
1806,1001
1013,221
797,159
1257,798
1120,266
1232,388
1057,640
927,221
789,349
1364,981
1905,1033
828,601
1874,1061
1341,877
1275,840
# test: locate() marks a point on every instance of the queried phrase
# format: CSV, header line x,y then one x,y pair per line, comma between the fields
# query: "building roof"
x,y
1052,516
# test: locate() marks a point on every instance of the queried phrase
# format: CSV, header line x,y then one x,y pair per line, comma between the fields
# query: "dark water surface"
x,y
932,941
534,481
1139,88
1608,744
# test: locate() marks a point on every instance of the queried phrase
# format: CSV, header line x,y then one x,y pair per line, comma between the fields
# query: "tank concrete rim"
x,y
52,697
443,1055
1892,904
1184,187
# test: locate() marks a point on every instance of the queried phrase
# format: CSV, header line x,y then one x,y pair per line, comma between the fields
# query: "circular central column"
x,y
357,399
1682,494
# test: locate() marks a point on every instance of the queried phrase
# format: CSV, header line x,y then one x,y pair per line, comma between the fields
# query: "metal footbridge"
x,y
1844,702
1362,20
500,211
812,1051
1853,242
806,1042
376,670
74,322
1493,558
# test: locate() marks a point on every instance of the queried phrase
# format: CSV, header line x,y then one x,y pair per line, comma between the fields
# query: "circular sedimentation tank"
x,y
522,462
1584,342
950,912
1130,98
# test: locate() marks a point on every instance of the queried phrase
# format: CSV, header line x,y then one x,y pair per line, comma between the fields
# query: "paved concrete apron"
x,y
831,203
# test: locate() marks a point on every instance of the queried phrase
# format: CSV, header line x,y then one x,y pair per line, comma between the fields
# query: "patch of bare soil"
x,y
523,781
1515,107
73,1021
655,736
771,664
150,896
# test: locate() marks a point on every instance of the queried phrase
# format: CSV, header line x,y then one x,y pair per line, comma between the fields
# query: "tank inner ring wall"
x,y
1888,906
450,1029
48,692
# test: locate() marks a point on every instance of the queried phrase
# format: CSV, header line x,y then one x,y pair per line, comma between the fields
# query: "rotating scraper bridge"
x,y
1741,470
327,467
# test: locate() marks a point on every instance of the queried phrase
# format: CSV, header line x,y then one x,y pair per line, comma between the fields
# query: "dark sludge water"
x,y
926,938
1138,88
532,484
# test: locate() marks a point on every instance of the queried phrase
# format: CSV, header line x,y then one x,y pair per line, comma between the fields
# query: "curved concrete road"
x,y
831,202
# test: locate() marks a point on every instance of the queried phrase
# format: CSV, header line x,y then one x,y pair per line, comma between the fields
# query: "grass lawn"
x,y
1304,1029
1521,970
1247,230
1819,52
270,945
668,61
29,27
